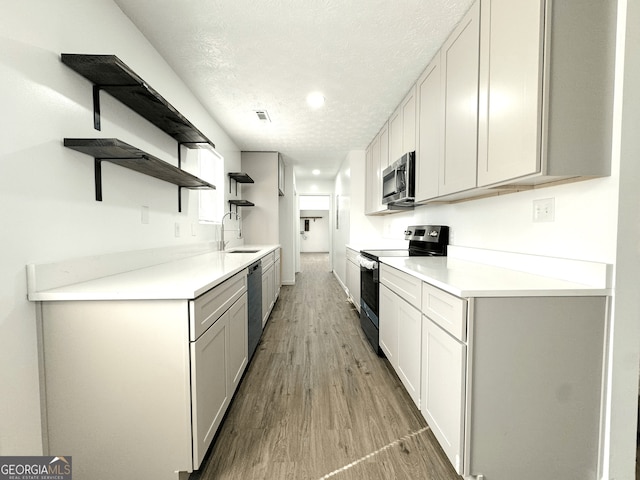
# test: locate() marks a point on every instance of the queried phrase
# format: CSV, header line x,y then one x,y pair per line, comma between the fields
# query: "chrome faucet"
x,y
223,244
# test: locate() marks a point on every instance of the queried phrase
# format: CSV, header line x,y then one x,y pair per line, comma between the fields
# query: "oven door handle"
x,y
367,264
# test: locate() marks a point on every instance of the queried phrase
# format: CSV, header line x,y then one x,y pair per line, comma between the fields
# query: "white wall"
x,y
47,205
314,187
261,222
625,347
343,191
288,227
583,227
317,238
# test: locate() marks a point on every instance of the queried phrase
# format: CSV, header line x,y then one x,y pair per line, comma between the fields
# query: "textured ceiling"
x,y
239,56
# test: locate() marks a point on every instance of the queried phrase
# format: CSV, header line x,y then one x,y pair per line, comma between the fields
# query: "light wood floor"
x,y
317,403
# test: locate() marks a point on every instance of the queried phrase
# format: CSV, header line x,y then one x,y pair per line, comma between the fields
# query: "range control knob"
x,y
407,232
433,233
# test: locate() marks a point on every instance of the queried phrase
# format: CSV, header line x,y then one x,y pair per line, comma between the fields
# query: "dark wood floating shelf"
x,y
241,203
241,177
109,73
121,153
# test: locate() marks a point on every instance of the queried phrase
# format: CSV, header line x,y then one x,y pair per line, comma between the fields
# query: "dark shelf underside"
x,y
113,76
241,177
121,153
242,203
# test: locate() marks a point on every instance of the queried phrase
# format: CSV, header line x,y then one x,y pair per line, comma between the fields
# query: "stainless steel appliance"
x,y
254,299
424,240
398,182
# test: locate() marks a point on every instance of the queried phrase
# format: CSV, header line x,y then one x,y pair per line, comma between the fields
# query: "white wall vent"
x,y
263,115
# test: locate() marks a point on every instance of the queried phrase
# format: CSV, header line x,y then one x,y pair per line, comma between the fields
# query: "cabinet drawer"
x,y
448,311
267,260
208,307
405,285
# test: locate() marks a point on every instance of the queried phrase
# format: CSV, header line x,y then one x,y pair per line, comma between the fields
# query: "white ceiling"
x,y
239,56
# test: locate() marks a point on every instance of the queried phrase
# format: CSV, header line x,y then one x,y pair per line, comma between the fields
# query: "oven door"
x,y
369,281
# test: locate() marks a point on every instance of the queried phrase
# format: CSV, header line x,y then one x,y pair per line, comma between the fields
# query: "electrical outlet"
x,y
144,215
194,229
544,210
176,229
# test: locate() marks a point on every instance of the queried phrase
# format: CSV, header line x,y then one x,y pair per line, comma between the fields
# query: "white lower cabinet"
x,y
400,339
409,348
153,377
499,377
210,390
353,278
443,389
388,327
277,271
218,358
270,284
238,341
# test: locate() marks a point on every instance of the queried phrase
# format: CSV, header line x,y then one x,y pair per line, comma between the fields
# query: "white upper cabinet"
x,y
546,84
430,115
460,63
377,159
385,157
402,127
520,94
511,83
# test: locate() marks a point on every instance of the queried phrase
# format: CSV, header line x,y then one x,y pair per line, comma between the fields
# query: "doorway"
x,y
315,238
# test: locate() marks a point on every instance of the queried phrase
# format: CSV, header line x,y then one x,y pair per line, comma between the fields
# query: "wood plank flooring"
x,y
317,403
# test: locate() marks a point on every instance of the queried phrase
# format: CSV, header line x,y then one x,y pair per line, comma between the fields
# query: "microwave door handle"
x,y
400,183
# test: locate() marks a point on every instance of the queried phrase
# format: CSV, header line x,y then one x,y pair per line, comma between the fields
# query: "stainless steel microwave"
x,y
398,182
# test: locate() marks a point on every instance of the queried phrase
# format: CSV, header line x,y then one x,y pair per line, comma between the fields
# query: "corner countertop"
x,y
464,278
186,278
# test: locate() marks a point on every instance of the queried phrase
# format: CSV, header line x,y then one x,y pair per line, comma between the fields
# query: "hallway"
x,y
317,403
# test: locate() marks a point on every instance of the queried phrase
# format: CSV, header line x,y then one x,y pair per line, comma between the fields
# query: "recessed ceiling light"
x,y
315,99
316,172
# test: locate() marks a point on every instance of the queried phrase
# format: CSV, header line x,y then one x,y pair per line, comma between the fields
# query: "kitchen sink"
x,y
243,251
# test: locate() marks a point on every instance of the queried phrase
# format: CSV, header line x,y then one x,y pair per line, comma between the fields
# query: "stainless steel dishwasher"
x,y
254,297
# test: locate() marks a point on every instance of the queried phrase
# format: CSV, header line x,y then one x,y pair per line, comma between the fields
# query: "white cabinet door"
x,y
385,157
395,134
278,278
402,127
388,316
400,339
210,392
409,122
443,389
409,348
511,86
353,283
238,341
460,63
368,182
377,159
429,136
266,300
268,292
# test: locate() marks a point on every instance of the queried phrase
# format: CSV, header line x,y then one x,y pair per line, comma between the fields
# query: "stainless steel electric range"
x,y
424,240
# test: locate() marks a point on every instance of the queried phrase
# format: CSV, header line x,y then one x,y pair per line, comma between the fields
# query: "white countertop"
x,y
185,278
469,279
